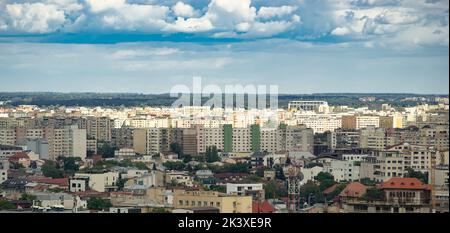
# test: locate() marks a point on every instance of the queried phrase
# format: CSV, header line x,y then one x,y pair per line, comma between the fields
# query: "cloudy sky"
x,y
304,46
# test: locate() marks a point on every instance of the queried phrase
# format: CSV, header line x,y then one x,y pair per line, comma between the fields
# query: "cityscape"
x,y
224,107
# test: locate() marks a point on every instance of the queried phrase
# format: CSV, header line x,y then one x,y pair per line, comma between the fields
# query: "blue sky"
x,y
304,46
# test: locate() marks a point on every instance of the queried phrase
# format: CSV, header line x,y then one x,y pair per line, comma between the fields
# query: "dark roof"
x,y
8,147
14,184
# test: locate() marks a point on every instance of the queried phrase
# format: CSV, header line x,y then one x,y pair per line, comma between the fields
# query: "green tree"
x,y
323,176
373,194
310,193
417,174
177,149
121,183
335,192
6,205
211,154
27,197
70,164
367,181
96,203
106,150
49,169
270,190
187,158
324,184
172,165
218,188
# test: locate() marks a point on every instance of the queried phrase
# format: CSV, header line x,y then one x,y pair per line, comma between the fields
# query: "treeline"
x,y
47,99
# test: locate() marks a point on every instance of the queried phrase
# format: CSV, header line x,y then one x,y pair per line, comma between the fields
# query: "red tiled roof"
x,y
403,183
264,207
354,189
58,181
17,156
330,189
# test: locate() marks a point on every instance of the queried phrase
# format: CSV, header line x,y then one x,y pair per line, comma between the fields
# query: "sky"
x,y
148,46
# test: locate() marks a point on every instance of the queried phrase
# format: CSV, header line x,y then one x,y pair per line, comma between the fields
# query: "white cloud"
x,y
340,31
271,12
135,53
102,5
190,25
183,10
34,18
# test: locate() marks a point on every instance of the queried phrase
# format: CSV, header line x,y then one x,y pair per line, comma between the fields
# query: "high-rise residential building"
x,y
122,137
151,141
7,136
344,138
98,128
319,123
360,122
69,141
297,138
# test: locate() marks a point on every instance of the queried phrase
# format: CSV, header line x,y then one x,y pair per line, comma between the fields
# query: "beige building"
x,y
225,203
375,138
101,182
66,142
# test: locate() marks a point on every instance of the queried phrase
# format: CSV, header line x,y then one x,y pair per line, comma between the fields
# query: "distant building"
x,y
225,203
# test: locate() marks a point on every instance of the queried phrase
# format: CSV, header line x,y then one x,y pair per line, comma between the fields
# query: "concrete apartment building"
x,y
7,136
212,199
98,128
69,141
360,122
382,165
344,138
419,158
319,123
122,137
375,138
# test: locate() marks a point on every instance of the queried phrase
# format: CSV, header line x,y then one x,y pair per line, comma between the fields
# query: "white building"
x,y
241,189
343,170
99,182
310,173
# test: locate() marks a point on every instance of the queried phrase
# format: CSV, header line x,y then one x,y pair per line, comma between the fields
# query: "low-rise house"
x,y
153,178
13,188
225,203
20,158
52,183
270,175
179,177
223,178
246,189
102,182
203,174
398,195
